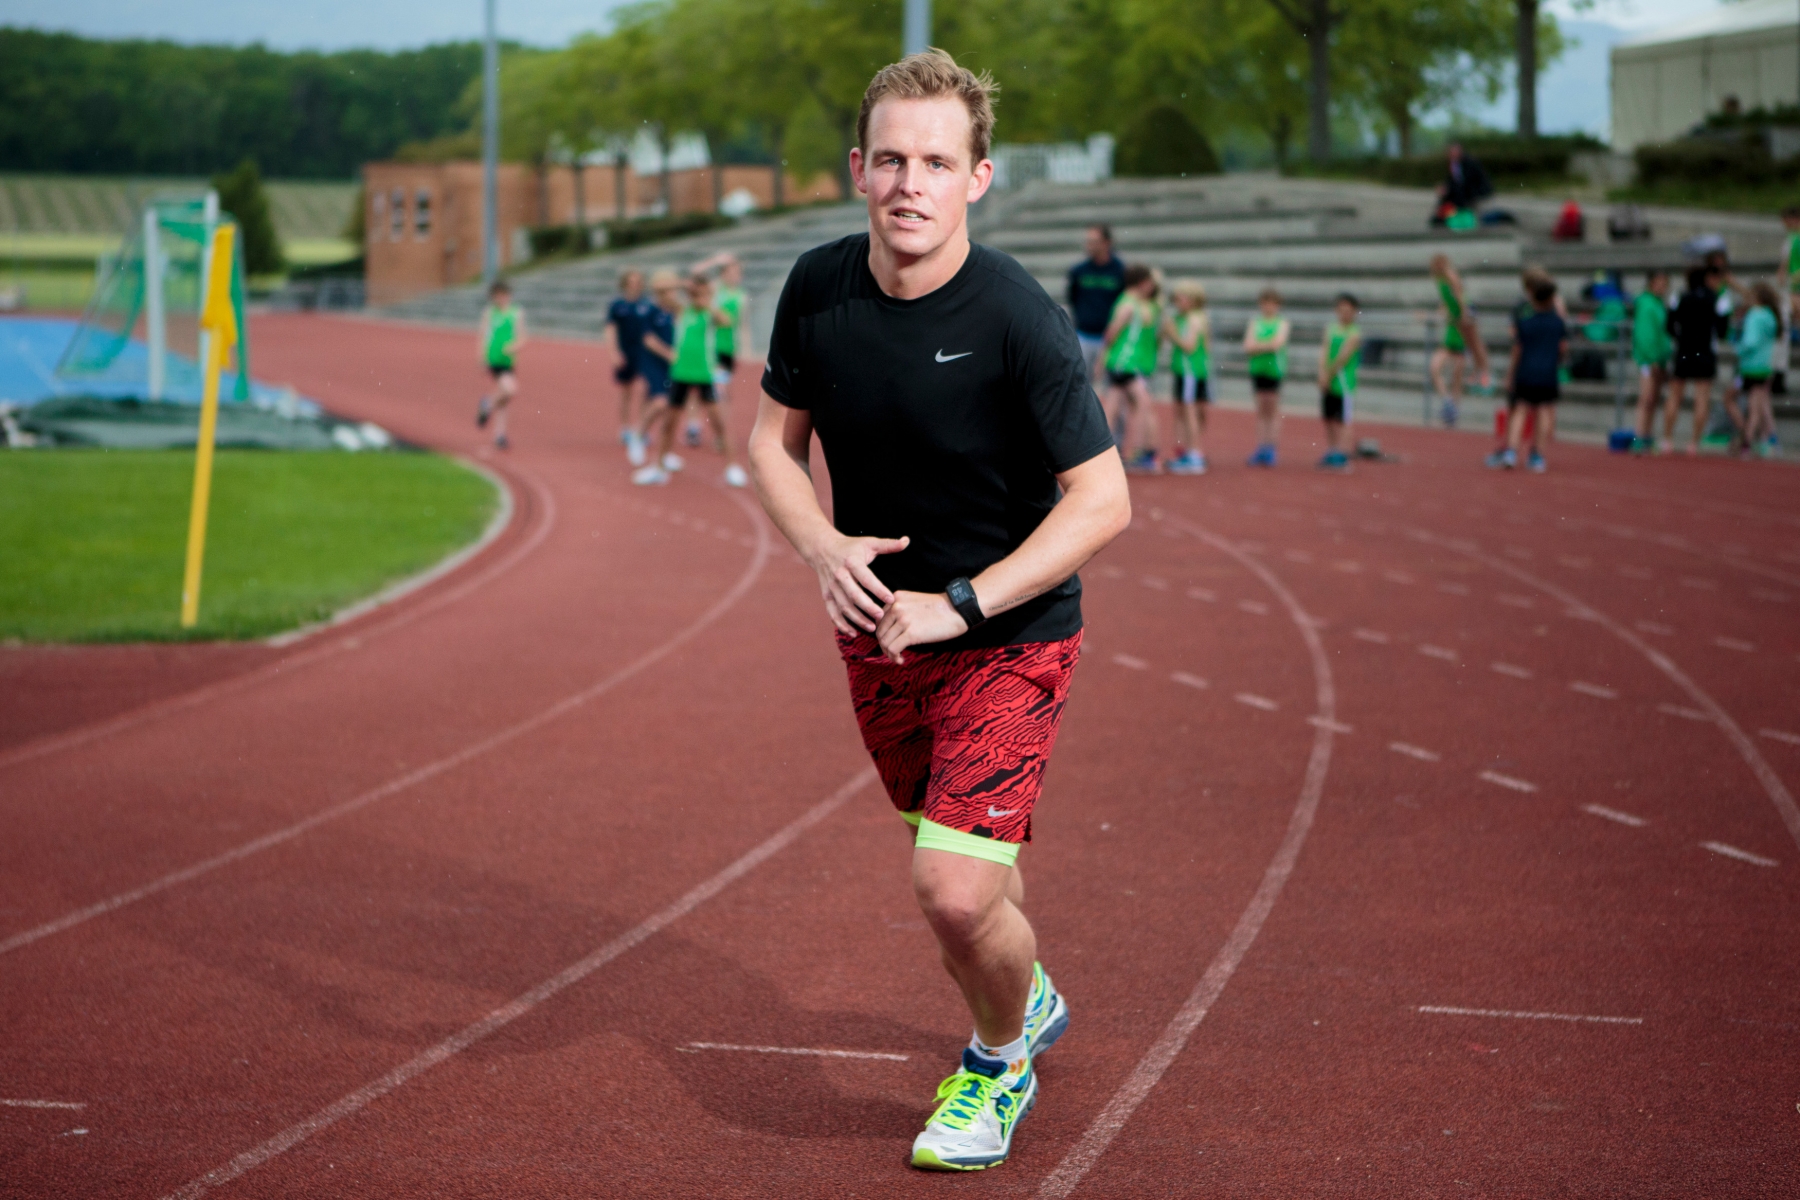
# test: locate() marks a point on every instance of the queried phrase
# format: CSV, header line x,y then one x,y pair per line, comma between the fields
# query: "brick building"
x,y
422,230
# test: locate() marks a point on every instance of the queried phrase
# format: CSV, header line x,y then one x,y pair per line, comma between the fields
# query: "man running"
x,y
626,317
502,336
950,398
1094,286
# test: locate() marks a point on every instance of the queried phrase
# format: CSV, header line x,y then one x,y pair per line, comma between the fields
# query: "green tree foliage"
x,y
241,194
73,104
1406,58
1164,142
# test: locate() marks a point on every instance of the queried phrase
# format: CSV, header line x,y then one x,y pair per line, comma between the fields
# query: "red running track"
x,y
1417,832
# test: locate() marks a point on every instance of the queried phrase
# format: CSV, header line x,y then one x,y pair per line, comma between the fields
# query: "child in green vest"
x,y
1338,352
693,371
1130,361
1651,349
1462,338
502,335
1189,333
1265,341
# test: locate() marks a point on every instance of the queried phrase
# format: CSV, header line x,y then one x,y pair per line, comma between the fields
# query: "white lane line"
x,y
1682,710
1200,593
1157,1060
41,1104
692,1047
1438,652
1297,556
318,652
1370,635
1708,585
1193,681
1347,567
1508,669
506,1014
1334,726
1398,577
1418,752
1771,595
1507,781
1575,561
1653,627
1454,589
1255,701
1155,582
1112,572
1777,791
1792,739
1613,814
1446,1010
1516,601
1254,606
1741,855
1594,690
430,770
1132,661
1634,572
1728,643
1518,552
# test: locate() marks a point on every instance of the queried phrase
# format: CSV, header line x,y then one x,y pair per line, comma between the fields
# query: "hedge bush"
x,y
1713,161
1507,160
552,241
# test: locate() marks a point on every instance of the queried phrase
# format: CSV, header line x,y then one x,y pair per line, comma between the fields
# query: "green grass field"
x,y
93,541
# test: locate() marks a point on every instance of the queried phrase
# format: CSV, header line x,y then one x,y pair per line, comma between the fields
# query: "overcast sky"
x,y
392,24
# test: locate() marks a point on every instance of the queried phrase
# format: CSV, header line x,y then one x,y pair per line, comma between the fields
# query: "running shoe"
x,y
735,476
1046,1013
500,443
650,476
1536,464
1334,460
1643,445
635,449
483,411
1502,460
1143,462
978,1109
672,462
1187,463
1448,414
1264,456
691,435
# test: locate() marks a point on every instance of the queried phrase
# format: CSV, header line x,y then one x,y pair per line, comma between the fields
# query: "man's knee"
x,y
959,895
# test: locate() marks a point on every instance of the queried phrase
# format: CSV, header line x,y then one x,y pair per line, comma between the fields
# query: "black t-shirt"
x,y
944,419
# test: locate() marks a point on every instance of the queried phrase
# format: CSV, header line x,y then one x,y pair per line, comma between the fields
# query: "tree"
x,y
1314,20
1164,142
1539,42
241,194
1409,56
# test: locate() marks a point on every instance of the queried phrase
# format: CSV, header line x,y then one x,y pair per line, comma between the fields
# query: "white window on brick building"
x,y
377,213
397,214
422,213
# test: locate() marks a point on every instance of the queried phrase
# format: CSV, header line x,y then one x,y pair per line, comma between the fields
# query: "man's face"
x,y
1659,285
1455,151
631,286
917,174
1346,312
1098,248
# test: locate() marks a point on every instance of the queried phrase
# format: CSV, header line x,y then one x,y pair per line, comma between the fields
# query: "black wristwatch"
x,y
962,599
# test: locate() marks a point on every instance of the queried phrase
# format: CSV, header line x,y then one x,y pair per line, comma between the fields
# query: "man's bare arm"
x,y
780,454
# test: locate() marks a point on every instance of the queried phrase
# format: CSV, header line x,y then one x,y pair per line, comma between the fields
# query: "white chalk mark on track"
x,y
1157,1060
1731,643
1447,1011
1594,690
506,1014
1334,726
1418,752
41,1104
1193,681
430,770
1371,635
1792,739
1613,814
1442,652
1507,781
1730,851
1508,669
1734,733
692,1047
1255,701
1682,710
1131,661
1200,593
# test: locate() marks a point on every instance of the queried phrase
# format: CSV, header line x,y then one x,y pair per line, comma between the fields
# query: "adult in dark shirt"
x,y
1533,378
1465,182
1094,287
948,394
627,317
1696,321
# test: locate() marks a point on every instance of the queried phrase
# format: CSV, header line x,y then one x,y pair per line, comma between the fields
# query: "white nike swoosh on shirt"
x,y
942,357
1001,812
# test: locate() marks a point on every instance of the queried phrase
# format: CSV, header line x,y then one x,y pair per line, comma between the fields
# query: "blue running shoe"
x,y
1046,1013
978,1109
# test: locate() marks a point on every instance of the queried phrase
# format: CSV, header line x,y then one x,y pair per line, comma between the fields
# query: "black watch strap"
x,y
962,599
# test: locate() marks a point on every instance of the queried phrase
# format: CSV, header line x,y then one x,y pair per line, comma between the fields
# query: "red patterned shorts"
x,y
962,737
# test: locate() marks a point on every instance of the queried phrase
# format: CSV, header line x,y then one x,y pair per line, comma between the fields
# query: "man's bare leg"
x,y
987,945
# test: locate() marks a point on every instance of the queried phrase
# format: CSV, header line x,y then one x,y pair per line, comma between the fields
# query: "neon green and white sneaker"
x,y
979,1108
1046,1013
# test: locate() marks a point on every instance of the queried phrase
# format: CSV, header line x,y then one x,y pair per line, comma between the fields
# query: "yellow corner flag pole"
x,y
219,331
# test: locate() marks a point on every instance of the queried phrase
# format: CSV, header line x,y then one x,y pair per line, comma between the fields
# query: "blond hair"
x,y
1193,289
926,76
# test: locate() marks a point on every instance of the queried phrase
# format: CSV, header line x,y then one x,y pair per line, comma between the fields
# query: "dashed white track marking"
x,y
1442,652
1447,1011
1255,701
1682,710
1613,814
1507,781
1792,739
1149,1070
1193,681
1132,661
692,1047
1770,595
1155,583
1653,627
1334,726
1255,607
1200,593
1508,669
1730,851
1516,601
1594,690
1418,752
1370,635
1730,643
1454,589
1398,577
430,770
506,1014
70,1104
1634,572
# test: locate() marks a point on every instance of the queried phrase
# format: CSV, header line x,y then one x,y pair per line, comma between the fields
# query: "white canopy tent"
x,y
1668,80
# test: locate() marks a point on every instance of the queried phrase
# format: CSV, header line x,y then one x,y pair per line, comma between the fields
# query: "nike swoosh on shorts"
x,y
1001,812
942,357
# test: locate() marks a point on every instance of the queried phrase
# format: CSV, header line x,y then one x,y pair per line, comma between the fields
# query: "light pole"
x,y
490,152
916,33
